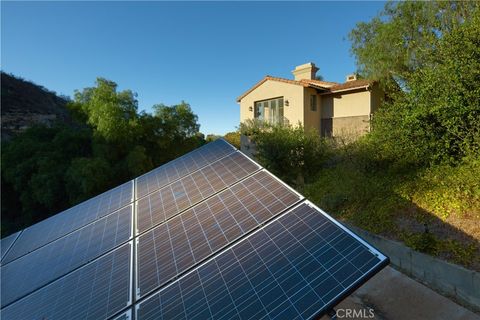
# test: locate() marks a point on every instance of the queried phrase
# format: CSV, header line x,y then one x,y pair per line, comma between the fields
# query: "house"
x,y
333,109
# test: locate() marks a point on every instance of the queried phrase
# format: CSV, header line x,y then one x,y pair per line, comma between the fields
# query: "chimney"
x,y
351,77
305,71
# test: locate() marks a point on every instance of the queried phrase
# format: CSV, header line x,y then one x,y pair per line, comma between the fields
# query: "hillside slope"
x,y
24,104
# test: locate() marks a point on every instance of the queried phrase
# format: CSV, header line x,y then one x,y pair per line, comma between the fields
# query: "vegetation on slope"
x,y
416,176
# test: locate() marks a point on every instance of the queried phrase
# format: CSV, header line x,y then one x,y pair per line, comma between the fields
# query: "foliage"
x,y
46,170
404,38
233,138
289,152
436,60
389,197
212,137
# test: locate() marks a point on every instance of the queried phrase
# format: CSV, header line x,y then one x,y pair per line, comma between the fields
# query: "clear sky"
x,y
206,53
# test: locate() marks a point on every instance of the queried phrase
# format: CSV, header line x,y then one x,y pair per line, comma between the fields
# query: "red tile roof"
x,y
328,87
355,84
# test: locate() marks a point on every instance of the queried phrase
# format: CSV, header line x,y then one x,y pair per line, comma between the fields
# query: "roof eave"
x,y
347,89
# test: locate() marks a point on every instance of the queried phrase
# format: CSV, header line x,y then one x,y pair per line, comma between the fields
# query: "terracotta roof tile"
x,y
321,83
317,84
351,85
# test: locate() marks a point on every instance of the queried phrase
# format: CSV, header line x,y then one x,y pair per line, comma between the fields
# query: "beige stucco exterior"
x,y
274,89
342,109
312,119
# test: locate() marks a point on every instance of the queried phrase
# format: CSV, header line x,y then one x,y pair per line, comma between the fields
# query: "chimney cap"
x,y
351,77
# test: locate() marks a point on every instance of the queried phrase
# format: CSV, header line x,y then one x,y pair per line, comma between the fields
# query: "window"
x,y
270,110
313,102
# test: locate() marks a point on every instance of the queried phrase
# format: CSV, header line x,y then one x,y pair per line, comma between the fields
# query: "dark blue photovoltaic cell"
x,y
215,238
189,190
70,220
124,316
59,257
7,242
187,239
182,166
295,267
98,290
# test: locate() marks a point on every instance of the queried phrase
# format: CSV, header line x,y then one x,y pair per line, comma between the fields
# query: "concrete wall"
x,y
450,279
274,89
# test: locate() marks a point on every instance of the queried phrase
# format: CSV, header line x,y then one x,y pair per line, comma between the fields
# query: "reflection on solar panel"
x,y
7,242
179,167
178,196
69,220
186,240
57,258
98,290
296,267
216,236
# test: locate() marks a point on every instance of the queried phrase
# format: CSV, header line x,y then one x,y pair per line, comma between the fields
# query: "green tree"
x,y
404,38
112,114
431,51
45,170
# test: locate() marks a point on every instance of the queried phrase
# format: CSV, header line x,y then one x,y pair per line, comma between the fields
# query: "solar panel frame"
x,y
7,242
382,262
196,159
197,187
261,181
127,315
60,224
81,279
32,271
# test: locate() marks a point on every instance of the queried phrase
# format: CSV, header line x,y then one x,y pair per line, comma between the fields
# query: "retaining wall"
x,y
461,284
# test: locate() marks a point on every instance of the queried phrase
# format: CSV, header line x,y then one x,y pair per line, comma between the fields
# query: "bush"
x,y
293,154
233,138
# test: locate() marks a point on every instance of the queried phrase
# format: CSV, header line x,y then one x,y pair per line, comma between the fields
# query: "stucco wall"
x,y
347,114
347,127
348,104
274,89
312,119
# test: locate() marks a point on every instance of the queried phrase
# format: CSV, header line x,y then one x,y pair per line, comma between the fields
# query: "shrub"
x,y
293,154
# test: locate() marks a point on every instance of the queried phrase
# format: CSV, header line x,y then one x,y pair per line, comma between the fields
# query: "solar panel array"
x,y
208,235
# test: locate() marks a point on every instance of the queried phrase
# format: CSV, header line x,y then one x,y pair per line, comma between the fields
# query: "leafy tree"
x,y
404,38
112,114
46,170
429,50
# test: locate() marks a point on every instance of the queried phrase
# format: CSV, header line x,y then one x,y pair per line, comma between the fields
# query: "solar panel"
x,y
189,190
211,235
184,241
98,290
125,316
296,267
69,220
7,242
182,166
57,258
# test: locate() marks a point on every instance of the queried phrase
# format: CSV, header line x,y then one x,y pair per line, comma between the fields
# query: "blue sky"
x,y
206,53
